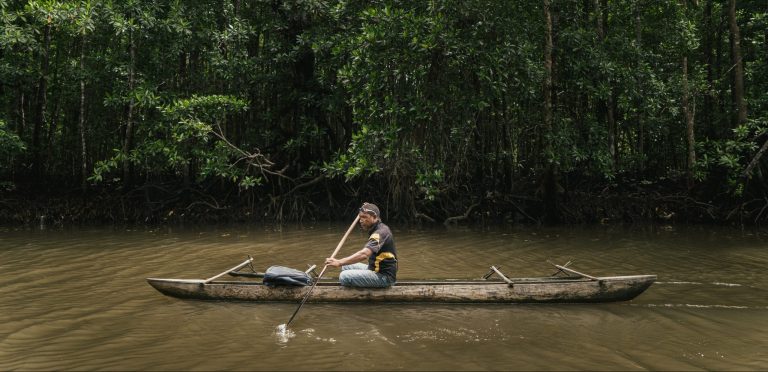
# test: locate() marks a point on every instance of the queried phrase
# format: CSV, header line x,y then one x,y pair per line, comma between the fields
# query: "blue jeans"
x,y
358,275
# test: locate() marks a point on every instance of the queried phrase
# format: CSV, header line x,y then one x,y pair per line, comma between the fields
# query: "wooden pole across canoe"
x,y
238,267
572,271
333,255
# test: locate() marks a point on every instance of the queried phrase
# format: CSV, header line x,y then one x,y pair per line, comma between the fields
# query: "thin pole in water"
x,y
317,280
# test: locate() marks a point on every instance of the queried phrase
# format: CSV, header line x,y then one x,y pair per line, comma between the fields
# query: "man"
x,y
379,251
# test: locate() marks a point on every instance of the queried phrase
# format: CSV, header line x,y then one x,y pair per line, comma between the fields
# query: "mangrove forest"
x,y
439,111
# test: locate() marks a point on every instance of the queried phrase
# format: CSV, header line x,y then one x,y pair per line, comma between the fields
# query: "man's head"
x,y
369,215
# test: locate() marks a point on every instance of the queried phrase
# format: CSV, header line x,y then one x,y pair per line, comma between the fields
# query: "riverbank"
x,y
628,202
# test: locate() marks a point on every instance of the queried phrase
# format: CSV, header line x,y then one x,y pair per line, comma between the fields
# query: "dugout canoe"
x,y
574,287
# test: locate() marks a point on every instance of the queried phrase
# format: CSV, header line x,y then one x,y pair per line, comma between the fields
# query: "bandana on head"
x,y
371,209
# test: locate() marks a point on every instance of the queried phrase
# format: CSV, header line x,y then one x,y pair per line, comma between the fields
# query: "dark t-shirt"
x,y
382,244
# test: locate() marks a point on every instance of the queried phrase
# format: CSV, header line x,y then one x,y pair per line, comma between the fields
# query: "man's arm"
x,y
359,256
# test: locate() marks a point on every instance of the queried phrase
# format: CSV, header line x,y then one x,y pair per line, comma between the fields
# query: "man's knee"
x,y
346,278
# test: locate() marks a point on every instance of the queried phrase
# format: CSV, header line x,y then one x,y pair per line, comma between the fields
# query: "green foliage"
x,y
10,146
432,100
188,135
733,154
426,81
429,182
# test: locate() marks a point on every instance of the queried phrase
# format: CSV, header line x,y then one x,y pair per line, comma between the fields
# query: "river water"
x,y
76,299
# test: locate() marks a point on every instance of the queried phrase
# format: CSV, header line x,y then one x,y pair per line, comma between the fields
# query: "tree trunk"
x,y
551,214
3,84
52,124
688,113
81,126
23,113
548,115
605,106
740,105
613,143
639,93
708,95
42,93
721,102
53,119
181,77
128,142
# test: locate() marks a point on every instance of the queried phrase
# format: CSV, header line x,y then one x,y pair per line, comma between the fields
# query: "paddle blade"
x,y
283,333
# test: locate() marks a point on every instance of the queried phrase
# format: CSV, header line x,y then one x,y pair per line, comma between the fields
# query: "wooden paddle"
x,y
317,280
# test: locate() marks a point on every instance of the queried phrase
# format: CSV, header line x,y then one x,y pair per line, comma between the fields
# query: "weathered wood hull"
x,y
521,290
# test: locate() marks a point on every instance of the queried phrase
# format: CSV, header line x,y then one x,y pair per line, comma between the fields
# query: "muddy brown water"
x,y
76,299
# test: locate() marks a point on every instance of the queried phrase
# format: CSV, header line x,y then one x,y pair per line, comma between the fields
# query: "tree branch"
x,y
456,219
306,184
256,159
747,172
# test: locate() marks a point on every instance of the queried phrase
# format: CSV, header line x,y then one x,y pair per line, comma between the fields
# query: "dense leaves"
x,y
434,109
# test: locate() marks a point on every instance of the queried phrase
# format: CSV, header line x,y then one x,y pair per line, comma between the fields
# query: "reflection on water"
x,y
77,299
